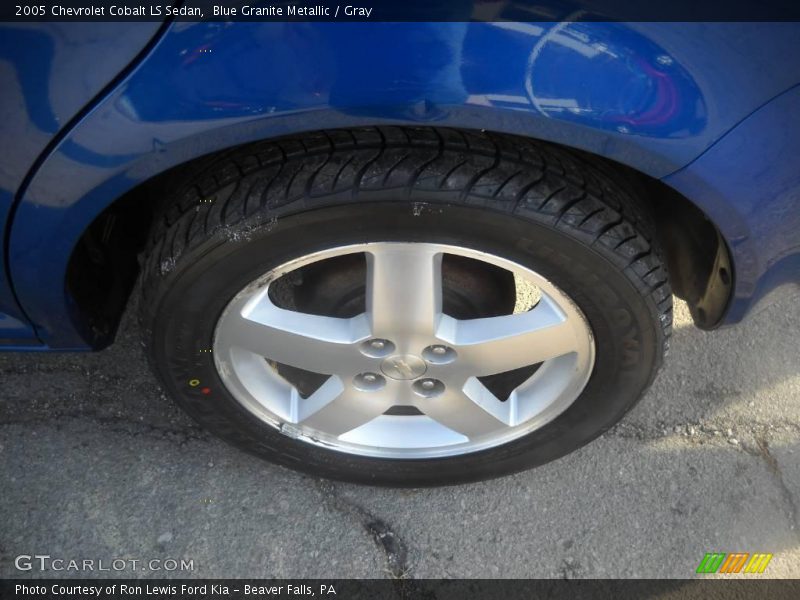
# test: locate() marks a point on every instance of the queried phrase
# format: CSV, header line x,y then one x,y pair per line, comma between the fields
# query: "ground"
x,y
96,463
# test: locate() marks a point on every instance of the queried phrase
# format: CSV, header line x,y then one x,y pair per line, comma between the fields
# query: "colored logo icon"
x,y
735,562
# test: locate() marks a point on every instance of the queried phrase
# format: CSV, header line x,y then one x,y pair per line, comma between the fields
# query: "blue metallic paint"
x,y
48,72
749,184
655,96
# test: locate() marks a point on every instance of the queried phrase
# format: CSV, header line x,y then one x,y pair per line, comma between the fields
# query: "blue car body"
x,y
92,111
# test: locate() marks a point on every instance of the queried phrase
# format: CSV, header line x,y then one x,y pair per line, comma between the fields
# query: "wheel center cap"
x,y
404,366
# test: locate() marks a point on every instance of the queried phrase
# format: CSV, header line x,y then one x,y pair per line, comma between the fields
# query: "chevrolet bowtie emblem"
x,y
404,366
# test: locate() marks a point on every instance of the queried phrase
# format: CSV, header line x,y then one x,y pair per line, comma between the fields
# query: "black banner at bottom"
x,y
427,589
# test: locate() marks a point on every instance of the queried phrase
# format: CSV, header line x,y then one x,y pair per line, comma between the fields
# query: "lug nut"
x,y
377,348
428,388
439,354
369,382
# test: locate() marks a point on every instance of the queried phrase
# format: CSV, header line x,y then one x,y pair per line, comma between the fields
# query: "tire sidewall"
x,y
193,294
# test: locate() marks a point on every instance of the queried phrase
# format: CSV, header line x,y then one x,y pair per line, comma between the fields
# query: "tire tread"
x,y
252,184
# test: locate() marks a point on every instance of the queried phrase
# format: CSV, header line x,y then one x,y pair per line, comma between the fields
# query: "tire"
x,y
527,203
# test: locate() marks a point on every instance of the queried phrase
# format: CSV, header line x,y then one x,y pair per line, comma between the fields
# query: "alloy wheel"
x,y
403,379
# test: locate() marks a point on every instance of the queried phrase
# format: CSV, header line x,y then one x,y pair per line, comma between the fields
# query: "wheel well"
x,y
104,265
697,257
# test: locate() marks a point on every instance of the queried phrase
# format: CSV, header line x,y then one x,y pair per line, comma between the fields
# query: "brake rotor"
x,y
471,289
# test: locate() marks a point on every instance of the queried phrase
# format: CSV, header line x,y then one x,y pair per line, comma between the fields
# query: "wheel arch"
x,y
633,93
102,265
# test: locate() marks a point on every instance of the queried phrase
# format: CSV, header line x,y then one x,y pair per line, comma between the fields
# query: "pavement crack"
x,y
762,451
181,435
391,545
569,569
699,431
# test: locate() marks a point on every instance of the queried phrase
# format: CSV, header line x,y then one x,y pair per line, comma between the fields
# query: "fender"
x,y
757,204
45,83
652,96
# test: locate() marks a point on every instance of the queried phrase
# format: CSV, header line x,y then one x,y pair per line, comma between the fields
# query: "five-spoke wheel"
x,y
404,351
405,306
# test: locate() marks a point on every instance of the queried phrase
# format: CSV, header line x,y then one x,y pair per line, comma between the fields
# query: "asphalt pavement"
x,y
97,464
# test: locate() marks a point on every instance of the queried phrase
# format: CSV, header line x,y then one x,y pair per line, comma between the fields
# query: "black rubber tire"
x,y
555,211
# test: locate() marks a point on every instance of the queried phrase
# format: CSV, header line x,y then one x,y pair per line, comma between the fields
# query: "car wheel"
x,y
405,306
